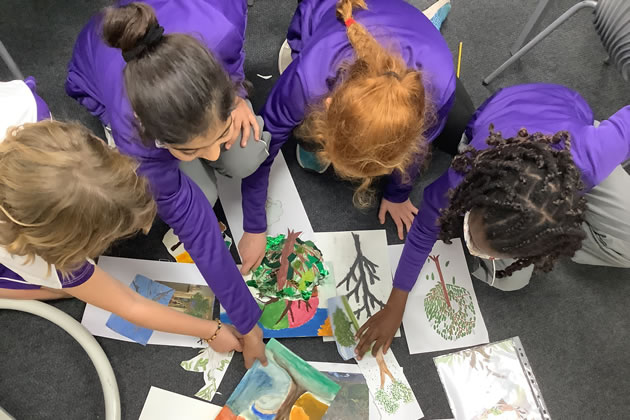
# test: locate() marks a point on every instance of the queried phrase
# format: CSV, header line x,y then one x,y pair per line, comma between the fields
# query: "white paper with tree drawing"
x,y
361,268
389,387
284,207
442,311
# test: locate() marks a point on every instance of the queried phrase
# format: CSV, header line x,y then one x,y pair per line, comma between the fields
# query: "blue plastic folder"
x,y
151,290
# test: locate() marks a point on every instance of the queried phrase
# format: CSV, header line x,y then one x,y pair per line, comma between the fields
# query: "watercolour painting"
x,y
291,286
442,311
287,388
493,381
151,290
344,326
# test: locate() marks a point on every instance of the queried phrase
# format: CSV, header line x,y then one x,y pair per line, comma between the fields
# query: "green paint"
x,y
271,314
393,396
343,329
448,322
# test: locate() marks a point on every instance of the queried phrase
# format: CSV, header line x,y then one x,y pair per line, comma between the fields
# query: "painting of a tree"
x,y
343,329
362,275
448,307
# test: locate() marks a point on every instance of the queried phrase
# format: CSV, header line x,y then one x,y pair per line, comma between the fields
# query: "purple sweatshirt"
x,y
20,278
95,79
320,45
545,108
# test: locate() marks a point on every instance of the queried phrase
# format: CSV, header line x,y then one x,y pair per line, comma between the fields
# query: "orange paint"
x,y
325,330
308,407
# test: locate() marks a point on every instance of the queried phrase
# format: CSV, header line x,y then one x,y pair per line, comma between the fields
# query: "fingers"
x,y
249,361
363,328
238,346
245,267
399,226
381,214
246,130
408,223
414,209
263,358
388,343
377,345
254,123
236,130
364,344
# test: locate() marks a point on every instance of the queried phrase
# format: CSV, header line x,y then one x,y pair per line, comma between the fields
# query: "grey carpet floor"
x,y
573,322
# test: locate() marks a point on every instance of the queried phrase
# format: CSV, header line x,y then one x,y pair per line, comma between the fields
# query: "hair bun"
x,y
126,27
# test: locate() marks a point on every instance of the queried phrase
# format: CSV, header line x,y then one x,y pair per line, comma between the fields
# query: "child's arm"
x,y
107,293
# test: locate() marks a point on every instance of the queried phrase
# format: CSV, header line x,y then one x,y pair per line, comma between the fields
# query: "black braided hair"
x,y
530,194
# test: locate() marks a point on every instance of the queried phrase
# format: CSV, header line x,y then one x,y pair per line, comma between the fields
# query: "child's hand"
x,y
254,347
226,340
243,121
251,247
382,326
402,215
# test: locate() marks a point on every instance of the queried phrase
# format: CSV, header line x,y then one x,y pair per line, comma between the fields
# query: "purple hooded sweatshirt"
x,y
95,79
320,45
544,108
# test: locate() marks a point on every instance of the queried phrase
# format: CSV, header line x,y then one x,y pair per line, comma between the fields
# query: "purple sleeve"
x,y
283,111
43,113
601,149
231,49
77,277
398,188
183,206
424,231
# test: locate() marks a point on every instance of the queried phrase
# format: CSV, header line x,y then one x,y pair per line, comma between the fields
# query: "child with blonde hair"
x,y
65,196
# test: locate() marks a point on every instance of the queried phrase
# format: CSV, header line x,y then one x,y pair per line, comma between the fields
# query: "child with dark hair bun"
x,y
546,182
166,79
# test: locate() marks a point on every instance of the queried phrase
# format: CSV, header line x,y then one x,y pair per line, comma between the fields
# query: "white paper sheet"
x,y
124,270
347,368
462,325
389,387
167,405
213,365
369,278
284,207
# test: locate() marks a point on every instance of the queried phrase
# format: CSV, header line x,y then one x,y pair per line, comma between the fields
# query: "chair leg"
x,y
566,15
85,339
8,60
534,19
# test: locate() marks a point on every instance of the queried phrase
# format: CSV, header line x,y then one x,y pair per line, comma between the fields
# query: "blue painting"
x,y
309,329
150,289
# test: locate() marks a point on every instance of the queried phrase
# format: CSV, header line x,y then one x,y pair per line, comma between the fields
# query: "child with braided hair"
x,y
546,183
371,84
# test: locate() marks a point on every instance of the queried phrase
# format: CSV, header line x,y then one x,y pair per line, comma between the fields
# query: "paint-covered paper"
x,y
291,286
175,247
353,401
344,326
284,207
442,311
361,269
494,381
287,388
389,387
184,278
167,405
213,365
151,290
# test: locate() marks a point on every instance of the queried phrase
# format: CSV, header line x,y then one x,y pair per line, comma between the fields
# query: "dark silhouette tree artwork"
x,y
362,275
449,308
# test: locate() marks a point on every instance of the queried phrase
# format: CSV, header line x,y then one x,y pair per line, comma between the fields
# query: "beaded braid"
x,y
530,194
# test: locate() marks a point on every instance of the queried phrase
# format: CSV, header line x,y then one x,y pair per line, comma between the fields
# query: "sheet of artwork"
x,y
151,290
353,400
213,365
361,269
442,311
287,388
494,381
389,387
188,278
176,248
167,405
291,286
284,207
344,326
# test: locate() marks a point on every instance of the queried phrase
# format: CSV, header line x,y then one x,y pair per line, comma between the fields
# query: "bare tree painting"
x,y
361,276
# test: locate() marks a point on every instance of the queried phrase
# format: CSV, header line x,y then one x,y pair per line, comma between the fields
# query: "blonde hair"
x,y
65,196
376,115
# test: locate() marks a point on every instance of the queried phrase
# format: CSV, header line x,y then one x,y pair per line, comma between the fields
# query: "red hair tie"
x,y
349,22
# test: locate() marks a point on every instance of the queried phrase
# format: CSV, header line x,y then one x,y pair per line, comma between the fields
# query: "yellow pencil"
x,y
459,60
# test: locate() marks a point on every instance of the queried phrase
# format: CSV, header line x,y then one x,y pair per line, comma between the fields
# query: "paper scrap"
x,y
492,381
442,311
167,405
213,365
389,386
125,270
151,290
284,207
351,397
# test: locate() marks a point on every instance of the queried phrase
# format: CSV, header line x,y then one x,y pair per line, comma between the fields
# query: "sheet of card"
x,y
166,405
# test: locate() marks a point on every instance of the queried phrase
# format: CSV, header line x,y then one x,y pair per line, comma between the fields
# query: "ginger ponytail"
x,y
372,123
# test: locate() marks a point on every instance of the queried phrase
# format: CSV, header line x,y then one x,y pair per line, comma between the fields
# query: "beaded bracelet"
x,y
216,332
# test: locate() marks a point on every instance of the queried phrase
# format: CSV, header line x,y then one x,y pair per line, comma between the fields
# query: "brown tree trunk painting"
x,y
436,260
